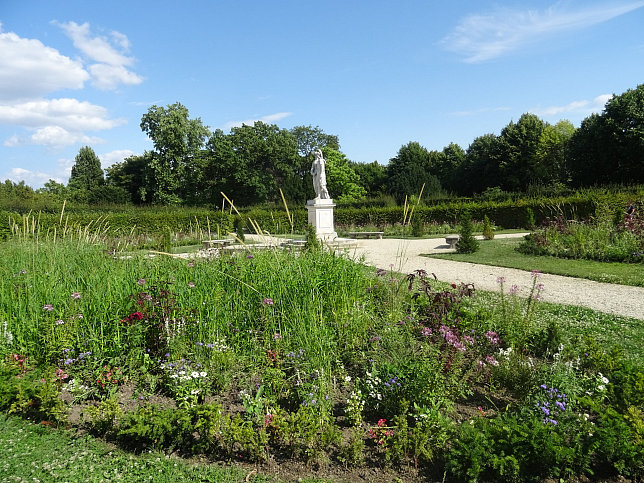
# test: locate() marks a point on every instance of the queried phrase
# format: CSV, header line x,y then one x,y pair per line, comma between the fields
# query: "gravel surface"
x,y
404,256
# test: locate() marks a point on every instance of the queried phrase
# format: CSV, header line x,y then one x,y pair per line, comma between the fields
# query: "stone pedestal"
x,y
321,217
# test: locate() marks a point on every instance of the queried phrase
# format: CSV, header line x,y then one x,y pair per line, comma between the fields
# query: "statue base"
x,y
321,217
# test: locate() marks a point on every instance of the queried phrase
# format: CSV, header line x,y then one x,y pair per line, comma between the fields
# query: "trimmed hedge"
x,y
506,214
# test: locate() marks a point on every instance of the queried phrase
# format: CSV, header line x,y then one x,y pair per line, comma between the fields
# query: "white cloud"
x,y
271,118
31,178
56,122
481,37
582,108
30,69
65,112
110,55
108,159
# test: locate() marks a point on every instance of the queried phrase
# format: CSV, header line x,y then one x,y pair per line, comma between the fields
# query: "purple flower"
x,y
514,289
76,295
277,336
191,284
191,263
267,301
60,322
500,280
141,281
493,337
48,307
536,273
249,256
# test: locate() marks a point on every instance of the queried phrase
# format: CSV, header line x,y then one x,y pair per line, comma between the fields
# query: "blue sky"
x,y
378,74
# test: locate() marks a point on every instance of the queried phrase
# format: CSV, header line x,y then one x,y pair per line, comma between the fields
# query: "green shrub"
x,y
488,231
466,242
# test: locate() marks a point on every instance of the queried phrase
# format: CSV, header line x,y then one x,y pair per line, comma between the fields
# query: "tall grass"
x,y
220,298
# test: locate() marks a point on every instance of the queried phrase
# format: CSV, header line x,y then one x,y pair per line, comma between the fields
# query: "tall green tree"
x,y
87,173
342,181
624,123
130,175
552,152
253,162
177,139
480,169
450,165
310,138
409,170
519,144
373,177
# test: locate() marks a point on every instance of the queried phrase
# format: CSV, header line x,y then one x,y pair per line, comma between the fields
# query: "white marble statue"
x,y
319,176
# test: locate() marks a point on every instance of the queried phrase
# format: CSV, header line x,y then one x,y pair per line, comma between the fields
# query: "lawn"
x,y
501,252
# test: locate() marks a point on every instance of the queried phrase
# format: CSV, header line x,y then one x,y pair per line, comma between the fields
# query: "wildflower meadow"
x,y
313,363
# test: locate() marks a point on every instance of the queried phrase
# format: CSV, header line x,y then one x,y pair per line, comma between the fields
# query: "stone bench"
x,y
293,244
366,234
452,240
217,243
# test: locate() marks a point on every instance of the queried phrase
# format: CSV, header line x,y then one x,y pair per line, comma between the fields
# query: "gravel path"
x,y
404,256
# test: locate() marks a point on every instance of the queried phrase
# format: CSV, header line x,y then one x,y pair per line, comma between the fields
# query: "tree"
x,y
252,163
449,166
519,144
624,123
177,139
342,181
373,177
480,169
409,171
87,173
130,176
310,138
54,188
551,152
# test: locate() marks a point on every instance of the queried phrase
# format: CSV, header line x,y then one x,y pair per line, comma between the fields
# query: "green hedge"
x,y
506,214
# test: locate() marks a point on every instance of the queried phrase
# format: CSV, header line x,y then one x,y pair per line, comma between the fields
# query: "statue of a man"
x,y
319,176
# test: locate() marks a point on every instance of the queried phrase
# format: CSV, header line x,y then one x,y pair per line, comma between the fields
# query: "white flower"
x,y
195,374
347,379
203,373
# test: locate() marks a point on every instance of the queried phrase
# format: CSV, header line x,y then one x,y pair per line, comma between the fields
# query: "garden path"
x,y
403,256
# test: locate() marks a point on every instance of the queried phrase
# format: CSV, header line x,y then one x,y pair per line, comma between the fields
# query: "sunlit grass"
x,y
501,253
33,452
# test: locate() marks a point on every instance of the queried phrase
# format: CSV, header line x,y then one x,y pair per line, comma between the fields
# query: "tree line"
x,y
191,165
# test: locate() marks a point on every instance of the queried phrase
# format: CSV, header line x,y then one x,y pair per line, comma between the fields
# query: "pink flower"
x,y
536,273
76,295
191,263
48,307
500,280
141,281
191,284
267,301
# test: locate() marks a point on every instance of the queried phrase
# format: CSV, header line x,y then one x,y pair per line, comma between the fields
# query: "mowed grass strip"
x,y
35,452
502,253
